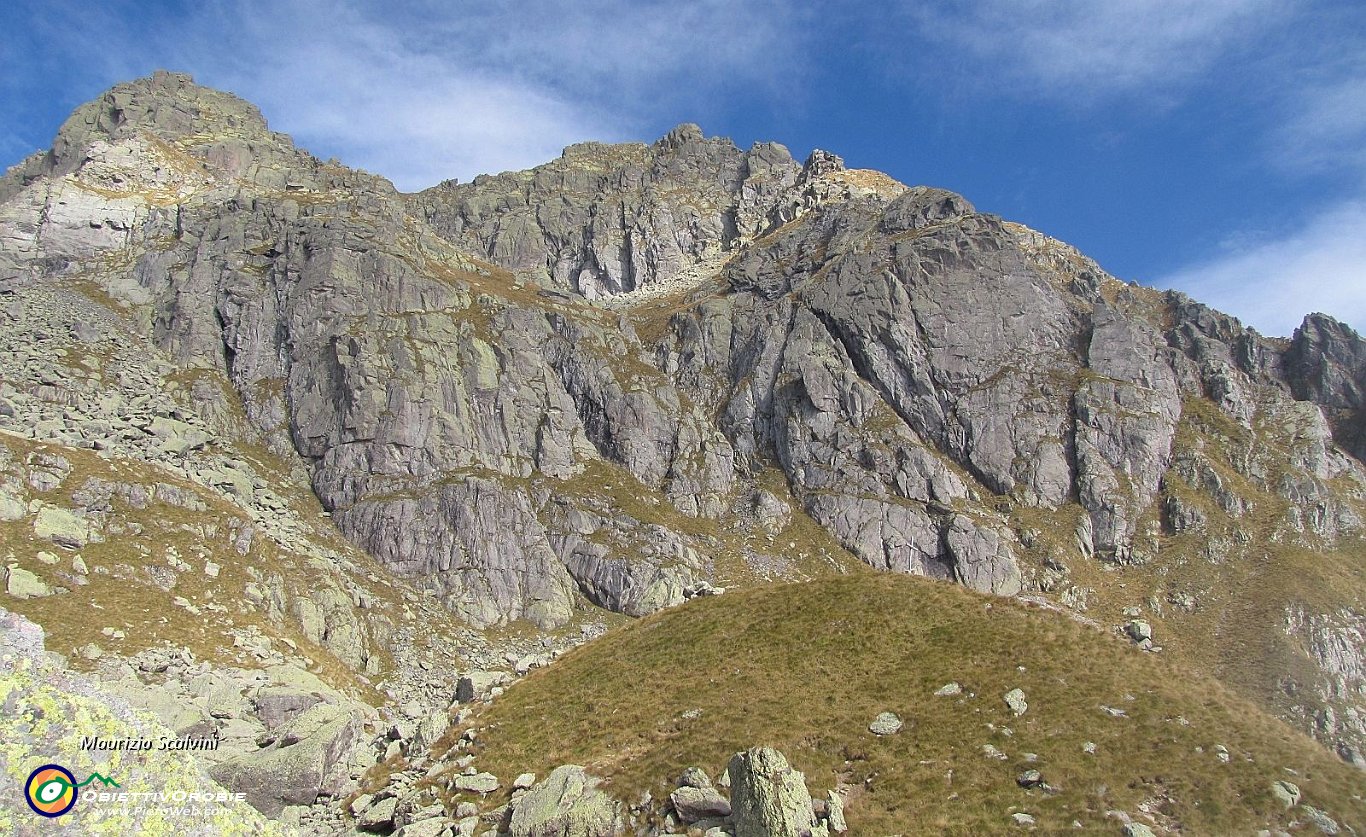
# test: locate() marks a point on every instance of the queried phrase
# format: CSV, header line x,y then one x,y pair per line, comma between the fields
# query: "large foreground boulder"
x,y
768,798
566,803
50,710
308,758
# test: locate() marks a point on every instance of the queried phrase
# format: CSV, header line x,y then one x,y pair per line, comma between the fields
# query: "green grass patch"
x,y
806,667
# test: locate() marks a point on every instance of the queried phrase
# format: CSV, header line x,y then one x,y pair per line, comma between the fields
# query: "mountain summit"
x,y
271,413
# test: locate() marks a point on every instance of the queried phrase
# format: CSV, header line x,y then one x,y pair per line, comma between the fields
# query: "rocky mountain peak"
x,y
631,377
681,135
168,105
821,163
1326,364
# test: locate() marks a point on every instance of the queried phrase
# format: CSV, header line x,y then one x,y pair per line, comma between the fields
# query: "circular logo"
x,y
50,790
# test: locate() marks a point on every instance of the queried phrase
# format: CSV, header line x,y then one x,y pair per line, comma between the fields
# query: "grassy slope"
x,y
1238,630
805,667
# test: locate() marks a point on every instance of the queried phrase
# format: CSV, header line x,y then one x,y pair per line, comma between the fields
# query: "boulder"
x,y
694,777
768,797
1015,700
567,803
428,730
431,827
474,685
1287,793
294,774
1321,820
11,507
887,723
22,584
1138,630
378,817
834,813
693,804
476,783
177,437
61,526
277,705
169,708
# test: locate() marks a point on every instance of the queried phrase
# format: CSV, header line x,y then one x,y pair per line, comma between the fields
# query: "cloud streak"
x,y
1071,49
426,91
1325,129
1272,284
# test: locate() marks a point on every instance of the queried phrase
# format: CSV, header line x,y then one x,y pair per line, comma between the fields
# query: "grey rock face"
x,y
768,797
1326,364
632,587
1126,421
882,342
1337,643
308,761
605,220
365,350
501,566
566,803
916,377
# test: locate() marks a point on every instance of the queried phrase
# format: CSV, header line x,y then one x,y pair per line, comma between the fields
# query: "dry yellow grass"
x,y
806,667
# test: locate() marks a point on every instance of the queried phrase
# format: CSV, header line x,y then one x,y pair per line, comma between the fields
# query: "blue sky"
x,y
1218,147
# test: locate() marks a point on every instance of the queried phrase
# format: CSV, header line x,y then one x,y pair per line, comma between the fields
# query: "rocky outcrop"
x,y
567,803
333,316
769,798
608,381
1326,364
308,761
605,220
903,357
54,709
1336,642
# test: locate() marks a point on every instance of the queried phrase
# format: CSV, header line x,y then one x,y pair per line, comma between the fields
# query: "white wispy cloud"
x,y
1272,284
420,92
1316,113
14,147
1083,49
357,89
1324,129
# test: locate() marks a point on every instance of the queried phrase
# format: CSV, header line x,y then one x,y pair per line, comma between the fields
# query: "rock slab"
x,y
768,797
567,803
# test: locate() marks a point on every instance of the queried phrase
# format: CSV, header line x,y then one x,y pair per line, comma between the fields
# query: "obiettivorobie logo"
x,y
52,790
